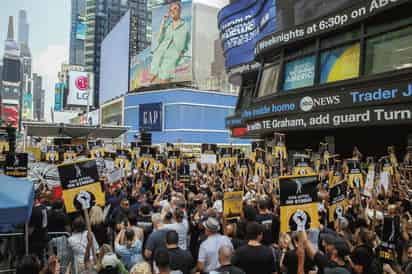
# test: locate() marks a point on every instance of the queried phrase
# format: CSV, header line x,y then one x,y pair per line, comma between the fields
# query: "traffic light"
x,y
146,138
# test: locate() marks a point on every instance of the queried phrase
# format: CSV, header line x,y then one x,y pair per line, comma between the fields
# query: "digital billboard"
x,y
79,88
10,92
11,70
80,28
245,22
58,96
170,55
10,113
114,61
27,111
241,25
299,73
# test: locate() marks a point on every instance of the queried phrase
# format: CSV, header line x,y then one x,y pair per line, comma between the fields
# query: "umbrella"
x,y
16,200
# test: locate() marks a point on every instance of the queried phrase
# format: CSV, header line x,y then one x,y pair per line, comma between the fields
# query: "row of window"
x,y
382,53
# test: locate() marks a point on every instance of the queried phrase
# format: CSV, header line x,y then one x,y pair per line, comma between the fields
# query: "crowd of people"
x,y
182,228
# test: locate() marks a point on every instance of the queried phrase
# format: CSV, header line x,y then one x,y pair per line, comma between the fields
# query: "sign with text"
x,y
298,203
81,186
80,85
16,165
297,27
150,117
359,117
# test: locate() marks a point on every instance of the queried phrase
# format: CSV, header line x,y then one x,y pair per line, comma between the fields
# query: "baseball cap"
x,y
110,261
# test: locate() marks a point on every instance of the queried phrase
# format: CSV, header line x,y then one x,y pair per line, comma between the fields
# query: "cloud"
x,y
47,63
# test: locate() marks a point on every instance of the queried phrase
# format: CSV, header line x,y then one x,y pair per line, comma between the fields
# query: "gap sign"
x,y
150,117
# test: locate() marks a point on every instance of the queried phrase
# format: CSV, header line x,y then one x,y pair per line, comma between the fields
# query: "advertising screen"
x,y
299,73
11,70
170,57
245,22
81,28
10,114
114,68
340,64
10,93
241,25
27,111
58,96
79,88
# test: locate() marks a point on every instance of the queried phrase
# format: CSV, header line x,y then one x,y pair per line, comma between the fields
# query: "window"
x,y
389,51
299,73
340,63
269,80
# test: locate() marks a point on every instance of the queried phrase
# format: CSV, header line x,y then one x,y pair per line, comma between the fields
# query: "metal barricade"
x,y
11,251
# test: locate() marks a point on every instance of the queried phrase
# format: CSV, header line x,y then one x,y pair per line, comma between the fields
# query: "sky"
x,y
49,37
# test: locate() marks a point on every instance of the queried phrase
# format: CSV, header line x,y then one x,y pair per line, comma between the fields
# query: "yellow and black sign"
x,y
160,188
145,163
35,151
337,201
157,166
298,203
97,153
232,204
280,152
4,147
355,176
302,170
69,156
52,156
16,164
173,163
80,183
260,169
227,162
121,162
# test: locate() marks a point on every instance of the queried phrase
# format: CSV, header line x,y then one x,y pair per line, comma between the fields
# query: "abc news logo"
x,y
308,103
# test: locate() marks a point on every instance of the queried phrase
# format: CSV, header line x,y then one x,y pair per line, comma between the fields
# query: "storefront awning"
x,y
73,131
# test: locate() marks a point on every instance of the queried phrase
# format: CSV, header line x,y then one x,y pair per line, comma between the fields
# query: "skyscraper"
x,y
38,98
23,28
101,17
77,32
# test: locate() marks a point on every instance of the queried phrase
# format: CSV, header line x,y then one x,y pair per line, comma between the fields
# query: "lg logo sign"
x,y
307,103
82,83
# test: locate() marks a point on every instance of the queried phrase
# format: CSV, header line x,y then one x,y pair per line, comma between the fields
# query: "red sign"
x,y
239,131
10,114
82,83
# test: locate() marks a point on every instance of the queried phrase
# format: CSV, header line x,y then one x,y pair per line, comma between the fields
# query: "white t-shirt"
x,y
208,252
218,206
78,245
182,230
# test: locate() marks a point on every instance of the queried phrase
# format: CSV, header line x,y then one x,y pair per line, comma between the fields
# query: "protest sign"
x,y
232,204
337,201
298,203
80,183
16,164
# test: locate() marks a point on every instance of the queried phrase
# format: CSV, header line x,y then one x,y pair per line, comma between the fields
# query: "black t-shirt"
x,y
38,224
327,266
255,259
291,262
269,224
181,260
230,269
57,221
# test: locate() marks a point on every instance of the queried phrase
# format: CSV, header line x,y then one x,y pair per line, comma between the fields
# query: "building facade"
x,y
38,98
343,77
77,32
177,116
101,17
